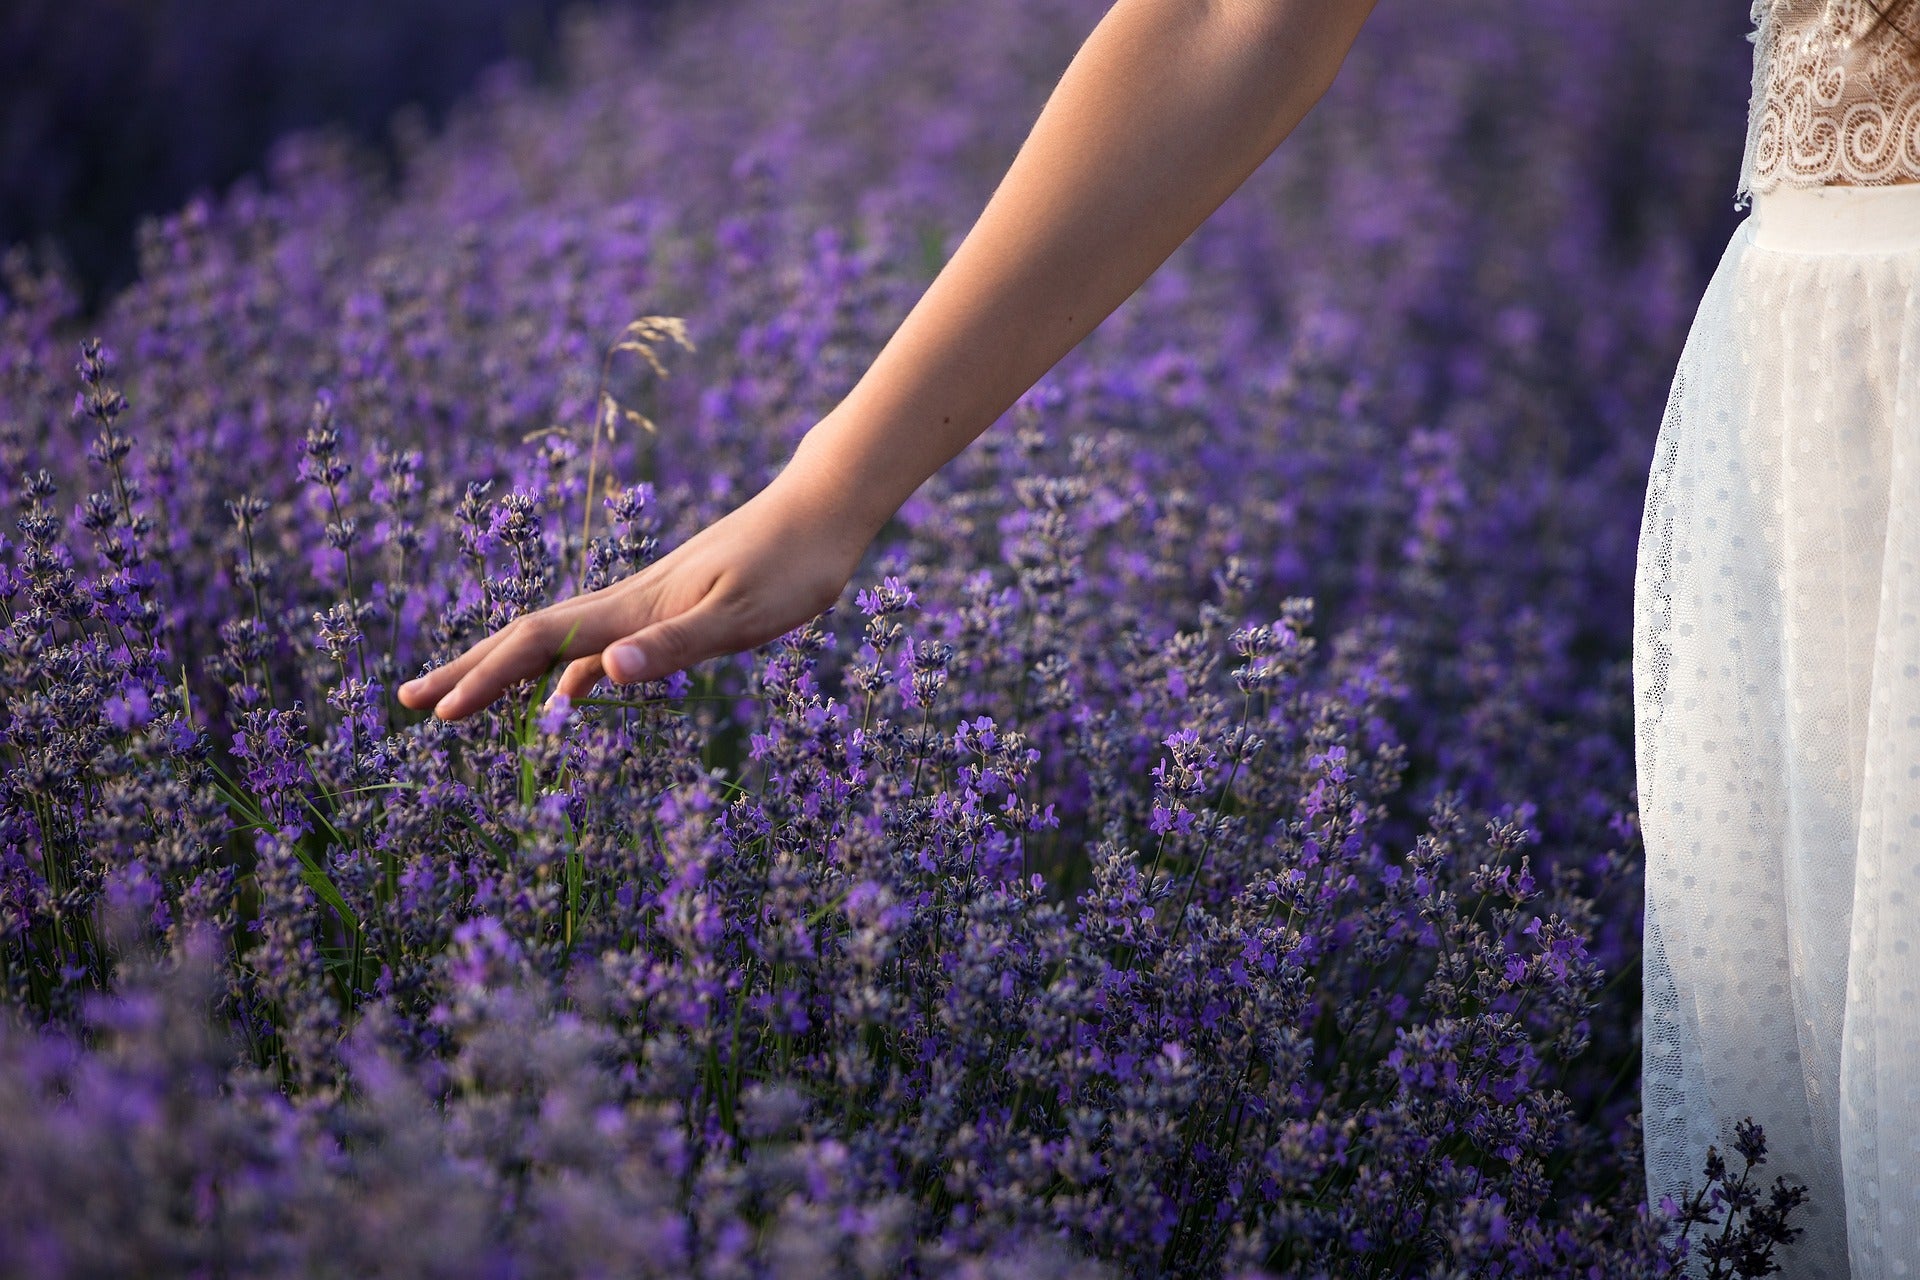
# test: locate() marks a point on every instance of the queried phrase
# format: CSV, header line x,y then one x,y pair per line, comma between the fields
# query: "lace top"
x,y
1834,101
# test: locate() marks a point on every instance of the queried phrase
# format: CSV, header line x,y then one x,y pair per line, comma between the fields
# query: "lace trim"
x,y
1831,103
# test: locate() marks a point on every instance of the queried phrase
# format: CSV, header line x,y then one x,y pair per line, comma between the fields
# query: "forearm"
x,y
1162,114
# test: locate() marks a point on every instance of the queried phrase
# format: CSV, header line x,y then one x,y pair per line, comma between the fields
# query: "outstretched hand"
x,y
772,564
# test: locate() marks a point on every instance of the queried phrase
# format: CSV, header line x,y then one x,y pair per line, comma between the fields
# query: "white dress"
x,y
1776,655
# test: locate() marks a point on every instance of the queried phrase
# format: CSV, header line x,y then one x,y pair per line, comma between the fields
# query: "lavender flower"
x,y
1202,844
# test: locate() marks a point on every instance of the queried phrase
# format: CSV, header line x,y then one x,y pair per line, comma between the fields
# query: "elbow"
x,y
1307,39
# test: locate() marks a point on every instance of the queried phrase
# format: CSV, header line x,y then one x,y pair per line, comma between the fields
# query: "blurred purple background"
x,y
115,109
340,429
111,110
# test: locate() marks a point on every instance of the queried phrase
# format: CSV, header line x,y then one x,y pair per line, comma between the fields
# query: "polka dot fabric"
x,y
1777,711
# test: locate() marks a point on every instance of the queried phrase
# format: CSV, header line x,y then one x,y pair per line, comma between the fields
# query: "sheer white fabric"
x,y
1777,708
1834,99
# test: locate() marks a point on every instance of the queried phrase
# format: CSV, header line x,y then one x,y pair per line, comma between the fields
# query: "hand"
x,y
772,564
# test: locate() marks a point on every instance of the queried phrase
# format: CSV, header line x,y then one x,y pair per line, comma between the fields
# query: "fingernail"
x,y
409,687
624,662
445,705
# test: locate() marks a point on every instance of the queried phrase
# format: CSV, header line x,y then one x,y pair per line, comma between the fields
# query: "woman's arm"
x,y
1162,114
1165,111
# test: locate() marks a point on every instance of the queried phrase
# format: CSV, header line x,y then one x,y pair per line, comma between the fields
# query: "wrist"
x,y
828,471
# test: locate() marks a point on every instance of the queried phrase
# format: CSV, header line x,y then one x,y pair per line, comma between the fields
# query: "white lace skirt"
x,y
1776,662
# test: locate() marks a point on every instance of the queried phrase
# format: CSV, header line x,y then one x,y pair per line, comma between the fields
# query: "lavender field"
x,y
1202,842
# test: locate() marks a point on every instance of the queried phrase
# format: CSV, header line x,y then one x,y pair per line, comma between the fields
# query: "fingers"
x,y
672,644
524,648
578,679
436,684
597,632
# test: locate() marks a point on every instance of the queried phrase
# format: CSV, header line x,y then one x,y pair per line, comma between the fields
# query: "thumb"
x,y
657,651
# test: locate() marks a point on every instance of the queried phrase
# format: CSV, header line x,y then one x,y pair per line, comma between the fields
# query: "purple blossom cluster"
x,y
1201,843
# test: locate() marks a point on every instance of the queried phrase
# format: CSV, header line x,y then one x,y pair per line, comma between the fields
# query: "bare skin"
x,y
1163,113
